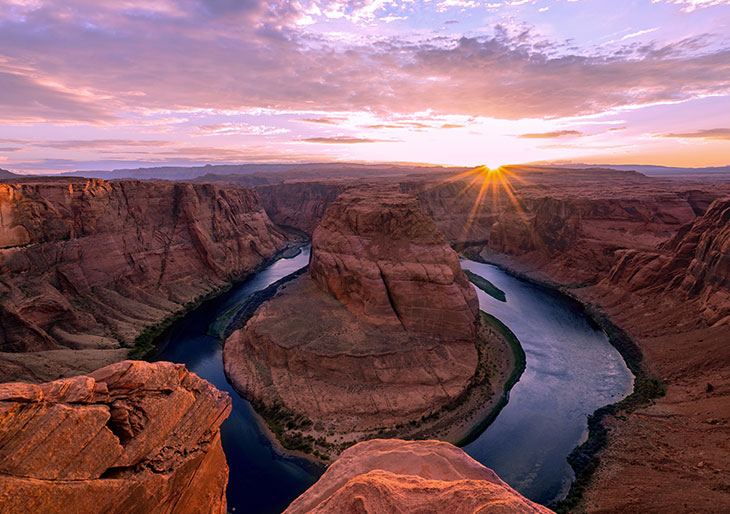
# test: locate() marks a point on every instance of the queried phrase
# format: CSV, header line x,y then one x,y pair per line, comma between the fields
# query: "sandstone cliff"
x,y
387,263
576,239
300,205
393,476
692,269
87,265
132,437
381,332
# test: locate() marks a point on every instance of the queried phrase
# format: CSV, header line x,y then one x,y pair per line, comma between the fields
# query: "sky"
x,y
86,84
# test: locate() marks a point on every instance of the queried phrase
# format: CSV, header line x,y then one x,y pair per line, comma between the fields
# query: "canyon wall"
x,y
132,437
385,476
86,265
449,204
300,205
692,268
576,239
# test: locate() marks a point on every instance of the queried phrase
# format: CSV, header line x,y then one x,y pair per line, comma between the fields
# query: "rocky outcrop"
x,y
693,267
87,265
387,476
577,239
132,437
381,332
388,264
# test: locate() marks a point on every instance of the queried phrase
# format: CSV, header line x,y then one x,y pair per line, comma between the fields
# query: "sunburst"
x,y
496,183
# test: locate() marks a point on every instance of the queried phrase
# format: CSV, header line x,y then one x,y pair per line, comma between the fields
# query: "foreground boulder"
x,y
133,437
394,476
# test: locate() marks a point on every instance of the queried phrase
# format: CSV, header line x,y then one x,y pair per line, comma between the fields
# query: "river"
x,y
571,371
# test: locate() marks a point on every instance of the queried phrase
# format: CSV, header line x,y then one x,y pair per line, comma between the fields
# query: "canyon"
x,y
87,266
649,253
132,437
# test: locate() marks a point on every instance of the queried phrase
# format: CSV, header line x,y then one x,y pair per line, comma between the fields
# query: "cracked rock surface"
x,y
130,437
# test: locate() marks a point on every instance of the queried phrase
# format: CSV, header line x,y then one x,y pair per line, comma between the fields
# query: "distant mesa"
x,y
7,174
385,476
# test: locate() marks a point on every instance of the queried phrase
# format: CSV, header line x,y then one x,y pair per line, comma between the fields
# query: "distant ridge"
x,y
289,170
709,172
7,174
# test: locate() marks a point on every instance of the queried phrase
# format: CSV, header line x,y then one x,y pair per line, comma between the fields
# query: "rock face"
x,y
576,239
693,267
394,476
300,205
132,437
87,265
381,331
388,264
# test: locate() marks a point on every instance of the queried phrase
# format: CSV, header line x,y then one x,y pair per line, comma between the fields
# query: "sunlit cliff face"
x,y
95,85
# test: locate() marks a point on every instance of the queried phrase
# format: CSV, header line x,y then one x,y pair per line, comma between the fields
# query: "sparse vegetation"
x,y
147,341
486,286
519,368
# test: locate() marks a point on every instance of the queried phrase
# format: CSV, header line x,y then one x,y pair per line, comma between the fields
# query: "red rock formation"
x,y
389,476
692,268
89,264
300,205
387,263
130,437
382,331
576,239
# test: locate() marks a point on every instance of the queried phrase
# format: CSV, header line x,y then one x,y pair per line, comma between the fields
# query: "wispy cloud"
x,y
551,135
232,129
330,120
693,5
715,133
343,140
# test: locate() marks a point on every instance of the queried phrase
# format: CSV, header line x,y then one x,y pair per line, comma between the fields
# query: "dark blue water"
x,y
262,479
571,371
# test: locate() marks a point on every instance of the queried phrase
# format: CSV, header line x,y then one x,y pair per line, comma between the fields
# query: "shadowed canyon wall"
x,y
87,265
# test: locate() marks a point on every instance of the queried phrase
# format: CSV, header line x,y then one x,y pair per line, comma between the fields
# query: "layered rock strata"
x,y
382,331
132,437
577,239
389,476
86,266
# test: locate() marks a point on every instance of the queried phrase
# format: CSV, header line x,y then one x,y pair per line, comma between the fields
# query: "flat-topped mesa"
x,y
381,477
386,261
130,437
